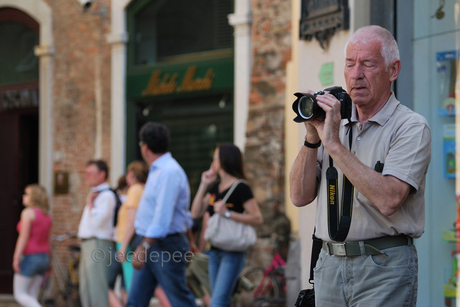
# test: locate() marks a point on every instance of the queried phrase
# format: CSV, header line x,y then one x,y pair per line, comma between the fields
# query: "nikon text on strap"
x,y
339,225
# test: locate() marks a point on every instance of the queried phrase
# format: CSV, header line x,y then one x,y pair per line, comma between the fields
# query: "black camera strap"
x,y
339,225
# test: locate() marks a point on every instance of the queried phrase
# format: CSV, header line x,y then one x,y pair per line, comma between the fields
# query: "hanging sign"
x,y
180,79
320,19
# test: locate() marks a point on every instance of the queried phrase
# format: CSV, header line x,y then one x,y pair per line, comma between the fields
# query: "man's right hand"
x,y
312,133
90,199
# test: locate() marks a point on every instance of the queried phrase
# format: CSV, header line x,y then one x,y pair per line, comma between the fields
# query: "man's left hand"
x,y
139,257
141,254
328,129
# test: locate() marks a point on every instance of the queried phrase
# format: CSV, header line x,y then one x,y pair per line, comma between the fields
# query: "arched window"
x,y
19,73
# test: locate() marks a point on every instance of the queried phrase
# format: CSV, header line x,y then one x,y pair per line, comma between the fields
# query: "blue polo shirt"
x,y
164,205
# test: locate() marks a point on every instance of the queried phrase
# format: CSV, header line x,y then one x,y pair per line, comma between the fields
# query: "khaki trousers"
x,y
94,272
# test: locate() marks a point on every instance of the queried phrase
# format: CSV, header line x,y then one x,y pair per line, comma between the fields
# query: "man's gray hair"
x,y
390,50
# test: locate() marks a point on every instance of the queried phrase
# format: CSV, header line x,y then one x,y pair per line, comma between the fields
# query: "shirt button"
x,y
358,138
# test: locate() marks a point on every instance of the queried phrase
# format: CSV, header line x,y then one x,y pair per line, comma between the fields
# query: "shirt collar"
x,y
160,161
101,187
382,116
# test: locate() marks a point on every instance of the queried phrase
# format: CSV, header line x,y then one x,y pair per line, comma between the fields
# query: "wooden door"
x,y
10,196
18,167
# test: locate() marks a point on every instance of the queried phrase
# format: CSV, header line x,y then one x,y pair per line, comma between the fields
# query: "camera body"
x,y
306,106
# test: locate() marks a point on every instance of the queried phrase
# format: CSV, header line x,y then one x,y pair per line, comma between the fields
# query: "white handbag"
x,y
227,234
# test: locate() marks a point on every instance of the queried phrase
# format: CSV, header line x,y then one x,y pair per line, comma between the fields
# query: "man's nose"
x,y
357,72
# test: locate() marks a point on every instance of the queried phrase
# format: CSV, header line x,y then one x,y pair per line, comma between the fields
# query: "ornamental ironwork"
x,y
321,18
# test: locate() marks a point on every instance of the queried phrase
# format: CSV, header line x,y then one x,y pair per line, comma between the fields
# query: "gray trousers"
x,y
368,281
94,272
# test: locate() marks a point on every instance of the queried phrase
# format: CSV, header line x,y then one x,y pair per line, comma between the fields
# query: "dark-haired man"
x,y
96,233
162,220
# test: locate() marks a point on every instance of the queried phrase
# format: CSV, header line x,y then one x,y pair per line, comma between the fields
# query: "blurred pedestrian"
x,y
115,269
31,256
162,220
225,266
96,232
136,176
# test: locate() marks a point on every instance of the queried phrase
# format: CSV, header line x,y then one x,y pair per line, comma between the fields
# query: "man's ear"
x,y
394,69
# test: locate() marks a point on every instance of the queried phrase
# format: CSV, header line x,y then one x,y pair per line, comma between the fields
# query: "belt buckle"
x,y
339,249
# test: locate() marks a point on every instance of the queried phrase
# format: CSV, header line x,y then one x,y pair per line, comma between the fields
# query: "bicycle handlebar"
x,y
59,238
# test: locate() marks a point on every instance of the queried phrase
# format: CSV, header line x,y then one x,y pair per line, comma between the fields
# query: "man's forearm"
x,y
387,193
302,180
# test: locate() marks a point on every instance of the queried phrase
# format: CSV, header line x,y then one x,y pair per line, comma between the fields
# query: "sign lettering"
x,y
168,84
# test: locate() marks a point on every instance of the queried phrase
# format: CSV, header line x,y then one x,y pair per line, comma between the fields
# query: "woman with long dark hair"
x,y
225,266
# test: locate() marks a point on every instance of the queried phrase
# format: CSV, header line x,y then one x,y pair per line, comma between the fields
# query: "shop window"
x,y
166,30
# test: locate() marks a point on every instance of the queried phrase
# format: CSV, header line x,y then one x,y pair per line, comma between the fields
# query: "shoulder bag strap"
x,y
232,188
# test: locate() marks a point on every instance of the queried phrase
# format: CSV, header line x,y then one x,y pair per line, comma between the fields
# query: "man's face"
x,y
367,77
143,148
93,176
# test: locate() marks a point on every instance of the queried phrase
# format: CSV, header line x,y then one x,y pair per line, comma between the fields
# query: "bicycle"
x,y
270,285
66,278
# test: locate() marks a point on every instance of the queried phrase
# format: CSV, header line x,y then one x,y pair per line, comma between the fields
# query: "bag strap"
x,y
232,188
315,250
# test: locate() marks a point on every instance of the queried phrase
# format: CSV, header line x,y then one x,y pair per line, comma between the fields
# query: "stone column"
x,y
241,21
118,106
45,54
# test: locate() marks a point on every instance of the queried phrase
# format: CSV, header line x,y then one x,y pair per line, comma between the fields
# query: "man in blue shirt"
x,y
163,217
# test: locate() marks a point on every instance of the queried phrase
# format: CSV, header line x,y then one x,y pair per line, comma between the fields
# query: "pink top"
x,y
39,234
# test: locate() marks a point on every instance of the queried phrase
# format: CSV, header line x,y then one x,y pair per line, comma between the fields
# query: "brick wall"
x,y
80,46
264,154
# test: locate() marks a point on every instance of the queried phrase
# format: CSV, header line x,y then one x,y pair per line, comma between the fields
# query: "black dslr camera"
x,y
307,108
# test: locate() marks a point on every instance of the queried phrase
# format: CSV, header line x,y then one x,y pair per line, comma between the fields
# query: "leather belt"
x,y
366,247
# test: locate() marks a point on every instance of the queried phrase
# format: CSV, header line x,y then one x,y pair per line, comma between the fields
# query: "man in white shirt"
x,y
96,233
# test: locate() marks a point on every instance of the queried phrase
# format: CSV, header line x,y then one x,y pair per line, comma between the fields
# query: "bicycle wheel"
x,y
45,293
261,287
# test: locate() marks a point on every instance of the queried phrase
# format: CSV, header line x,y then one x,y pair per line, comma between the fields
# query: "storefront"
x,y
180,73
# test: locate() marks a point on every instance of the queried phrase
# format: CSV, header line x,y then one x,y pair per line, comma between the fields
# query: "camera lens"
x,y
306,106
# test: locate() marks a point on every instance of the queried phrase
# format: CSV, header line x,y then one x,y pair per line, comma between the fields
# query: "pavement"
x,y
7,300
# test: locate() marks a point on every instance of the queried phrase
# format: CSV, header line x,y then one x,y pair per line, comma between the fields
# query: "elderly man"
x,y
381,157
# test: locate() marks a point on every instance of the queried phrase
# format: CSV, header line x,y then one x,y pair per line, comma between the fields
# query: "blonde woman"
x,y
31,256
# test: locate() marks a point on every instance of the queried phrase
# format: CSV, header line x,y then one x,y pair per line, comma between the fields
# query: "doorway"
x,y
19,167
19,134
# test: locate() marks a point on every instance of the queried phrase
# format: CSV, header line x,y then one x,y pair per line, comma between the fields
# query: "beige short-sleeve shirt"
x,y
401,140
133,197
